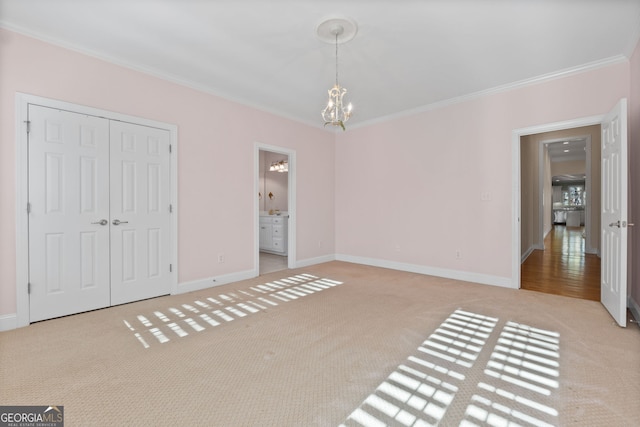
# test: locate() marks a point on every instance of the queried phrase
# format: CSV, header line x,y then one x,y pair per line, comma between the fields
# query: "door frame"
x,y
291,194
515,181
22,188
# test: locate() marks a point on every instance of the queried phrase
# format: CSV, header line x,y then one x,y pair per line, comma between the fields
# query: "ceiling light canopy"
x,y
337,30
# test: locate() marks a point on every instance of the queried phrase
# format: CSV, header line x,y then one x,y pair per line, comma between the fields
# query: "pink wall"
x,y
409,190
634,172
406,190
216,156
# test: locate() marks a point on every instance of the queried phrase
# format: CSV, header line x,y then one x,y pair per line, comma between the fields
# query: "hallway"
x,y
563,268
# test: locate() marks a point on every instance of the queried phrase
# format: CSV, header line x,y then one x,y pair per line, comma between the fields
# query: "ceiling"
x,y
566,150
573,149
407,56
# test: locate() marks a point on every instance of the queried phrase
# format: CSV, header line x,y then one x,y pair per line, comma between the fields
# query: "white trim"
x,y
173,199
634,307
211,282
292,209
22,221
590,66
23,101
465,276
541,195
567,72
529,252
588,244
313,261
515,179
172,78
516,228
8,322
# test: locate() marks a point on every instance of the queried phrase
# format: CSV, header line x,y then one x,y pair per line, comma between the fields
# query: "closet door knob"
x,y
101,222
118,222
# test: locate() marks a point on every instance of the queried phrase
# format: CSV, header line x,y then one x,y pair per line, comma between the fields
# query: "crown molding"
x,y
622,58
618,59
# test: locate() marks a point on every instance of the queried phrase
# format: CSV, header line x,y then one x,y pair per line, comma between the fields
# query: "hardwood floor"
x,y
563,268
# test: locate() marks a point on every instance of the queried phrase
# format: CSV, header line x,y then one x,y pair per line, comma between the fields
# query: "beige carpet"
x,y
333,344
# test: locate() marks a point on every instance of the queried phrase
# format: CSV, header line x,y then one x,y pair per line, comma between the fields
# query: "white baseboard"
x,y
529,251
313,261
484,279
539,247
8,322
635,309
211,282
524,256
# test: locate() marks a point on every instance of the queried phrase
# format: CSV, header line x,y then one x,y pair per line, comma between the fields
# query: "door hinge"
x,y
170,208
170,148
28,207
170,268
27,124
28,288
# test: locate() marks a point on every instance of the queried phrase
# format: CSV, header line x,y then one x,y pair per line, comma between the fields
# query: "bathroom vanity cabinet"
x,y
273,234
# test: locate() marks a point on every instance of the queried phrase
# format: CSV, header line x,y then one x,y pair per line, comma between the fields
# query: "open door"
x,y
614,228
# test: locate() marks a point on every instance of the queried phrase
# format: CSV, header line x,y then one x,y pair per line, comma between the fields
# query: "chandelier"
x,y
335,113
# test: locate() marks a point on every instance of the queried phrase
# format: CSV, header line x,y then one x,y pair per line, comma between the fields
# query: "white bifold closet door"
x,y
99,212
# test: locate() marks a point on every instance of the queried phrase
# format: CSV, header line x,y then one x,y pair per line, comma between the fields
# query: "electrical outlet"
x,y
319,243
458,254
221,258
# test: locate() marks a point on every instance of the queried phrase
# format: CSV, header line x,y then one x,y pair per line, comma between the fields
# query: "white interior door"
x,y
613,293
69,210
140,216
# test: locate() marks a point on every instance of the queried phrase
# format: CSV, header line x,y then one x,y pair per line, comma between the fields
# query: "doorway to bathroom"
x,y
275,211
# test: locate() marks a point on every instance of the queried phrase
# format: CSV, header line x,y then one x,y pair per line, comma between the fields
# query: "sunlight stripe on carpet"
x,y
227,307
421,390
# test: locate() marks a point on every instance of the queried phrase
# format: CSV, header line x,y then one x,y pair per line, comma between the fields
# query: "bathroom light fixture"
x,y
340,30
281,166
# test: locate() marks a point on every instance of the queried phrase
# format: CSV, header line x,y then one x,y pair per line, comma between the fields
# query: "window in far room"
x,y
574,195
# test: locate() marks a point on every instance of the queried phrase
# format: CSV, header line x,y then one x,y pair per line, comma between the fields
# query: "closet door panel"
x,y
140,217
69,208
